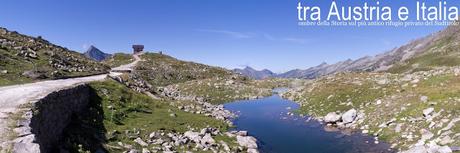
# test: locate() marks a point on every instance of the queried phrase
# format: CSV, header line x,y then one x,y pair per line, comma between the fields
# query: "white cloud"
x,y
256,35
297,40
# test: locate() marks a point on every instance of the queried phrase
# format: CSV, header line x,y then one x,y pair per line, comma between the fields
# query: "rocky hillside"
x,y
220,90
167,77
255,74
436,50
25,59
96,54
419,110
162,70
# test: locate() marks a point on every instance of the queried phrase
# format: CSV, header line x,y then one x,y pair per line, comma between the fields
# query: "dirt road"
x,y
11,97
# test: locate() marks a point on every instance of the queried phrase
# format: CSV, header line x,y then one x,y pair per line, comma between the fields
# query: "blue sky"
x,y
261,34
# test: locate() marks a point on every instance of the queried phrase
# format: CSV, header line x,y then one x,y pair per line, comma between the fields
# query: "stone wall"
x,y
41,127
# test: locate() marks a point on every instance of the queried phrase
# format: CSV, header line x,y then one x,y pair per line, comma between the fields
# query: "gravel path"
x,y
11,97
129,67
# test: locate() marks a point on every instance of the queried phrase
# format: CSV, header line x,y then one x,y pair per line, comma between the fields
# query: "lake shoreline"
x,y
285,117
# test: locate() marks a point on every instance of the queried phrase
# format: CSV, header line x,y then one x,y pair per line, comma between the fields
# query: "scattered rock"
x,y
141,142
426,135
378,102
427,112
145,150
424,99
446,140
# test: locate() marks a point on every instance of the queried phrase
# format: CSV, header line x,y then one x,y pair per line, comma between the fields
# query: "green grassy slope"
x,y
444,50
223,90
118,59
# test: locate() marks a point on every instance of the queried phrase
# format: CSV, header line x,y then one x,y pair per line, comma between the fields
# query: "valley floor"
x,y
175,118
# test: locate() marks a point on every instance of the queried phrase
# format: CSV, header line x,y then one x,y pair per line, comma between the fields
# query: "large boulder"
x,y
332,117
195,136
207,139
349,116
247,141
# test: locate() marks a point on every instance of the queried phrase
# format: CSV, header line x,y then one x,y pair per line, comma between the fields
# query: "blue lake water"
x,y
276,132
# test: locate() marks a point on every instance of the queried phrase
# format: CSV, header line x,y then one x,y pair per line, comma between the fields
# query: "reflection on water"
x,y
277,132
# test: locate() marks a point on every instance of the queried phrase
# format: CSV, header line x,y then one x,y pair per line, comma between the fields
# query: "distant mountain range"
x,y
250,72
441,48
438,49
96,54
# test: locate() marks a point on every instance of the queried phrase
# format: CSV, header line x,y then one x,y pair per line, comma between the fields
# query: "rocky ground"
x,y
415,112
206,139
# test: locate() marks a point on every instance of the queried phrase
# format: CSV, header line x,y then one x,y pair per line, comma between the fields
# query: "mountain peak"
x,y
91,47
96,54
248,68
323,64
